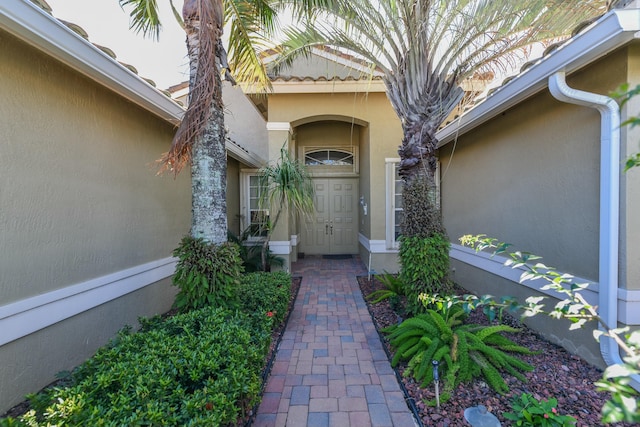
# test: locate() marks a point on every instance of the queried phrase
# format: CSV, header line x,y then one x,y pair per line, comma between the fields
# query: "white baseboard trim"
x,y
280,247
628,300
24,317
375,246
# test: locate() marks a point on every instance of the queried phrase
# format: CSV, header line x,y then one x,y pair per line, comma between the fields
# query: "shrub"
x,y
251,252
530,412
424,267
206,274
623,405
201,368
265,293
394,291
463,351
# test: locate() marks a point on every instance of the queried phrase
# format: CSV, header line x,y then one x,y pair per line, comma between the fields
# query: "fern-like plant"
x,y
464,351
394,291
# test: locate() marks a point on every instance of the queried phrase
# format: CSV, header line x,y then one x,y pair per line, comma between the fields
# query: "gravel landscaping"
x,y
557,374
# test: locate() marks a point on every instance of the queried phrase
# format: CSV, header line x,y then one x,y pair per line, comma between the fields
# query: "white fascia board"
x,y
34,26
248,158
611,31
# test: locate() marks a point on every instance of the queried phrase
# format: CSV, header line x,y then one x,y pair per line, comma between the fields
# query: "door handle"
x,y
326,229
331,228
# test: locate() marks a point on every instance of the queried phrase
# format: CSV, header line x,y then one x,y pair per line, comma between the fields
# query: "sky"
x,y
164,61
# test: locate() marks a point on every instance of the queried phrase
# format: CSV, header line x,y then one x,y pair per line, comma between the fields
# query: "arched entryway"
x,y
330,150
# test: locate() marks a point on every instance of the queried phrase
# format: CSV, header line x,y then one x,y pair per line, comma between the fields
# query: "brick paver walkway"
x,y
330,368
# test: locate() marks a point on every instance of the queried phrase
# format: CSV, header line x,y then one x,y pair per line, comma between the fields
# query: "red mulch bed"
x,y
557,374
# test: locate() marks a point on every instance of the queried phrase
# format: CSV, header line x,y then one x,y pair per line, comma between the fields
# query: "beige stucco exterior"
x,y
326,118
80,200
530,177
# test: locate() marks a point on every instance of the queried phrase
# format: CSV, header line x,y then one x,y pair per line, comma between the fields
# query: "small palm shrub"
x,y
464,351
251,252
207,274
394,291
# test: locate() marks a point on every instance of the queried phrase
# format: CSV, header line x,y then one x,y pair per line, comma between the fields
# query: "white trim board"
x,y
375,246
628,300
280,247
36,27
30,315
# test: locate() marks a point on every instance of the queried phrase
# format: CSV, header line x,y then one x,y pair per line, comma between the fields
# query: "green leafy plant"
x,y
266,294
394,291
251,252
624,93
531,412
288,187
623,405
464,351
198,368
424,267
206,274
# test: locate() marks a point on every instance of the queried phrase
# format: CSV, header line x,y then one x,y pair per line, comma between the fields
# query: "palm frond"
x,y
144,17
203,24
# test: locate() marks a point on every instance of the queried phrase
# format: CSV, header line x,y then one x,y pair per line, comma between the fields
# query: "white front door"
x,y
333,228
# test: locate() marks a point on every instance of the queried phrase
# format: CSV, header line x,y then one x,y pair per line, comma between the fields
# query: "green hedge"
x,y
200,368
266,293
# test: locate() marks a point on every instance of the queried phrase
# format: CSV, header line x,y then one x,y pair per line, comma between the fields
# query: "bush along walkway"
x,y
330,368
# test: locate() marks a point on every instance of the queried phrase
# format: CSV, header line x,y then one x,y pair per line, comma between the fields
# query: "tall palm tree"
x,y
425,50
200,138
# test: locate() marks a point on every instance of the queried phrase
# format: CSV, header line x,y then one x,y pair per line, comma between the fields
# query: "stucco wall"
x,y
245,124
380,137
80,200
531,177
630,184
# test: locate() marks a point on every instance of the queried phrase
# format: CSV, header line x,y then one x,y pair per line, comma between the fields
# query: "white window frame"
x,y
390,179
391,164
245,202
332,170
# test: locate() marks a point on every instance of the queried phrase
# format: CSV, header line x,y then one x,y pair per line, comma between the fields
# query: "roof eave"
x,y
246,157
613,30
34,26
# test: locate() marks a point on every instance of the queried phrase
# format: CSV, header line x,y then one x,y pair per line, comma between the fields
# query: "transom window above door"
x,y
328,157
331,160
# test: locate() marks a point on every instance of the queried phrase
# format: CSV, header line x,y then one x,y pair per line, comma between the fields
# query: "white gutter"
x,y
610,31
34,26
609,205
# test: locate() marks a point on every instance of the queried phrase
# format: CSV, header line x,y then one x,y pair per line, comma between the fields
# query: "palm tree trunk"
x,y
209,181
418,165
208,156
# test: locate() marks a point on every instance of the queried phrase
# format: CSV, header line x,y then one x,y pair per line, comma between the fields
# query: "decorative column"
x,y
280,134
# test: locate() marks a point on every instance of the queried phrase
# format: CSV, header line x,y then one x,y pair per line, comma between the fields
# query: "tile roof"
x,y
82,33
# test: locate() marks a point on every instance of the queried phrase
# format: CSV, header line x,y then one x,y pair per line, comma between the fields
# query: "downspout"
x,y
609,205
